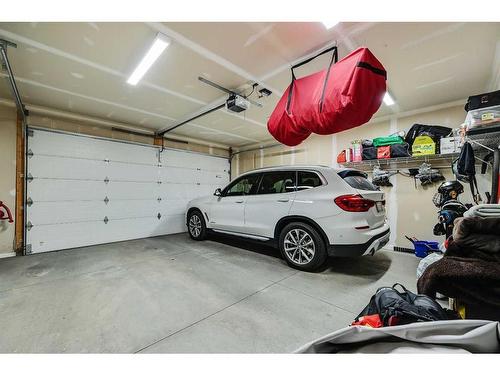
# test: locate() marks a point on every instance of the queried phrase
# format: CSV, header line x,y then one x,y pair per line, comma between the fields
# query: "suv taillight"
x,y
354,203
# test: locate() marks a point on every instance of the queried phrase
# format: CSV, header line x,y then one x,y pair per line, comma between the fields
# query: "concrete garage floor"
x,y
171,294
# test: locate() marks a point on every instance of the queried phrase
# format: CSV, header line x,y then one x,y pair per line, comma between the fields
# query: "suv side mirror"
x,y
218,192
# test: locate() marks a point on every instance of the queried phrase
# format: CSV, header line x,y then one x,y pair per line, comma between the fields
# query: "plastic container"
x,y
423,248
357,150
483,117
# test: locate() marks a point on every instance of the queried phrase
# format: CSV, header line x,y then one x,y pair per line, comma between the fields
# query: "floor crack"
x,y
215,313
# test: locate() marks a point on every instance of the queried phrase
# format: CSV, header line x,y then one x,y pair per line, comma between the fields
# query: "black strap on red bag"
x,y
334,60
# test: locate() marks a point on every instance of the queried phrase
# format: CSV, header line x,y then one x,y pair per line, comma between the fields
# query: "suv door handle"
x,y
284,200
238,201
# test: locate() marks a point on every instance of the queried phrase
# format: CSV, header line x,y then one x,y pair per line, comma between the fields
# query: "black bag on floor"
x,y
397,308
400,150
483,100
369,153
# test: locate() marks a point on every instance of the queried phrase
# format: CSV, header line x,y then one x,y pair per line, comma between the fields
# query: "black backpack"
x,y
397,308
465,169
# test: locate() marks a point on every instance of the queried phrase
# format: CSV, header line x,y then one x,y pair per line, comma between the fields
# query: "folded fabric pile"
x,y
470,268
484,210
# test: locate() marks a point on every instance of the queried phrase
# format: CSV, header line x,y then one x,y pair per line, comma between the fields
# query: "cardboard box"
x,y
449,145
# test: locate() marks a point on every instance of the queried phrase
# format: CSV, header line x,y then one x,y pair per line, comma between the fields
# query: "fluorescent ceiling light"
x,y
330,24
388,100
160,43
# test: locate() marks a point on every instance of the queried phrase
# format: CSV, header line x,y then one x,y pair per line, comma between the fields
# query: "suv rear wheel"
x,y
196,225
302,247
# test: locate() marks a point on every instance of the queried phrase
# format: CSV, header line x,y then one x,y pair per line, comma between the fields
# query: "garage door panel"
x,y
172,192
79,181
174,206
132,208
211,178
170,224
178,191
132,172
77,211
58,190
178,175
56,144
130,153
65,212
116,190
41,166
130,228
63,236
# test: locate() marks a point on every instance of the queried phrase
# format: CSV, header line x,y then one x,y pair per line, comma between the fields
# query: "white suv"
x,y
309,212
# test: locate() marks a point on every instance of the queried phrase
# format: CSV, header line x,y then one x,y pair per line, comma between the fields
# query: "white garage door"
x,y
84,190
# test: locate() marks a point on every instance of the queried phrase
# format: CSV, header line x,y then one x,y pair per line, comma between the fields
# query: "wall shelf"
x,y
438,161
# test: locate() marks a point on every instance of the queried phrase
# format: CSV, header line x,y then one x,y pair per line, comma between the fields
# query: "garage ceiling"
x,y
83,67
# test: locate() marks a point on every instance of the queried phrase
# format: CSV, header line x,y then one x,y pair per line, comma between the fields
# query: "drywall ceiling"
x,y
83,67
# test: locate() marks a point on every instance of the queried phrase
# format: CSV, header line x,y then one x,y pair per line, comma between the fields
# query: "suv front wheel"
x,y
302,247
196,225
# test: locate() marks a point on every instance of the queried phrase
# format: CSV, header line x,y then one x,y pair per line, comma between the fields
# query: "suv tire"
x,y
197,227
302,247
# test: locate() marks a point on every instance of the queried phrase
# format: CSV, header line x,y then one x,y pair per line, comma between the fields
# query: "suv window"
x,y
308,180
277,182
244,185
357,180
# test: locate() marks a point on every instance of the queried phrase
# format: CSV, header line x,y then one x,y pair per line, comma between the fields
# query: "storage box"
x,y
384,152
483,117
449,145
423,145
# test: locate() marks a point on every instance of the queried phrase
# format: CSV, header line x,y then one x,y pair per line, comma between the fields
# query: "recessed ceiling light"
x,y
330,24
160,43
388,100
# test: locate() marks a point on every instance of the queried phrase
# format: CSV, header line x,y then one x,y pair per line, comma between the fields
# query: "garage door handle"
x,y
238,201
284,200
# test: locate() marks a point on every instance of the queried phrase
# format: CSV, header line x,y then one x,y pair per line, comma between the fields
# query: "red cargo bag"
x,y
341,97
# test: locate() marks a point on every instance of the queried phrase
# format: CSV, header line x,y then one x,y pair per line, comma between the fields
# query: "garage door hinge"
x,y
106,200
29,202
198,183
158,216
30,133
29,178
28,249
29,153
159,199
106,160
106,180
158,182
106,219
29,225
